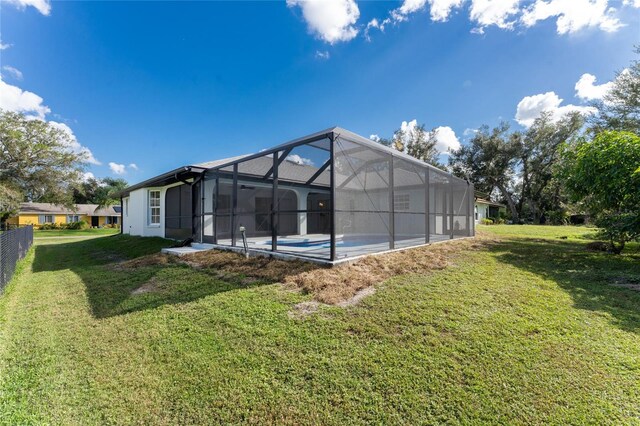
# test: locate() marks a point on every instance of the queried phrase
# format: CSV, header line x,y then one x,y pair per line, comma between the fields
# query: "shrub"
x,y
49,226
604,175
558,217
486,221
81,224
499,221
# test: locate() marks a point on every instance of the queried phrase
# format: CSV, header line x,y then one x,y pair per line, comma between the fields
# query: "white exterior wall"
x,y
137,221
482,211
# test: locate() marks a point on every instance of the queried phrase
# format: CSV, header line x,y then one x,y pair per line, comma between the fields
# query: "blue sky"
x,y
163,84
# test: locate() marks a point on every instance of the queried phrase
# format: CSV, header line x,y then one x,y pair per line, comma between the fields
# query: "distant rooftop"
x,y
85,209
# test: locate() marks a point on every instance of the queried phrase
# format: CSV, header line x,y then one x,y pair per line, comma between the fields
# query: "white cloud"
x,y
530,108
331,20
469,131
43,6
375,138
587,89
74,145
493,12
378,25
441,9
4,46
322,54
447,139
87,175
573,15
116,168
133,166
12,98
295,158
14,72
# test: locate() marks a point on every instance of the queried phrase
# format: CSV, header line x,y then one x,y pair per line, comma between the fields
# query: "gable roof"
x,y
80,209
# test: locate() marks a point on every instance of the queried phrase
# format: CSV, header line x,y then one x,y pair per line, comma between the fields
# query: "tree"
x,y
538,156
85,192
99,191
9,202
417,142
36,159
604,174
620,107
489,161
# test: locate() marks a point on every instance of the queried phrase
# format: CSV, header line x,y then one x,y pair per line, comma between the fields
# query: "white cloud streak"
x,y
13,72
42,6
573,15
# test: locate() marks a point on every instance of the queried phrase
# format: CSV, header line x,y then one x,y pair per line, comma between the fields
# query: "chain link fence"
x,y
14,245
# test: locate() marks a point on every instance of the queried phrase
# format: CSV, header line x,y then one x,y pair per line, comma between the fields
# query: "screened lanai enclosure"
x,y
329,196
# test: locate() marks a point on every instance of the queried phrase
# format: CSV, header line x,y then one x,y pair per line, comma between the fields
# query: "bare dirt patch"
x,y
338,284
304,309
357,298
150,286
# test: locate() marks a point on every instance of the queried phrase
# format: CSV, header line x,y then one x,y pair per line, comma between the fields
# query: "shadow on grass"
x,y
596,281
110,288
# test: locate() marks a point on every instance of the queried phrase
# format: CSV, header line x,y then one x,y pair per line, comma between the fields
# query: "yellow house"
x,y
38,214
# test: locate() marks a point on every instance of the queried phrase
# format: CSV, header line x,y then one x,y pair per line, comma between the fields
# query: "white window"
x,y
154,207
401,202
73,218
112,220
45,218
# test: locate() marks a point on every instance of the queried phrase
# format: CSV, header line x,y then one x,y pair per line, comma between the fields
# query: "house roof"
x,y
488,202
82,209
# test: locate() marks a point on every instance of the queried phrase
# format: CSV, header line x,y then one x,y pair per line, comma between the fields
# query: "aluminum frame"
x,y
333,135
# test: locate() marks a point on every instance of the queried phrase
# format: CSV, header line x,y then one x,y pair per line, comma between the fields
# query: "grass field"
x,y
530,329
39,233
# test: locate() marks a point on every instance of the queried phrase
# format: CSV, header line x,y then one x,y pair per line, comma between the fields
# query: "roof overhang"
x,y
182,174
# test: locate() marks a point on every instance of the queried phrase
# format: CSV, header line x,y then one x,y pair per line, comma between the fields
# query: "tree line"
x,y
38,163
557,167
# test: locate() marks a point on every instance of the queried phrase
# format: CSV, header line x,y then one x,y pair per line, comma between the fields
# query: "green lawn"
x,y
39,233
531,330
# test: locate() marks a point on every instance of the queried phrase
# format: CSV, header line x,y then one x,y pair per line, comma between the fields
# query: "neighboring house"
x,y
486,209
38,214
328,196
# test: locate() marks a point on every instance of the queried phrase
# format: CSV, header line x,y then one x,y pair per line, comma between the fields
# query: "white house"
x,y
485,208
